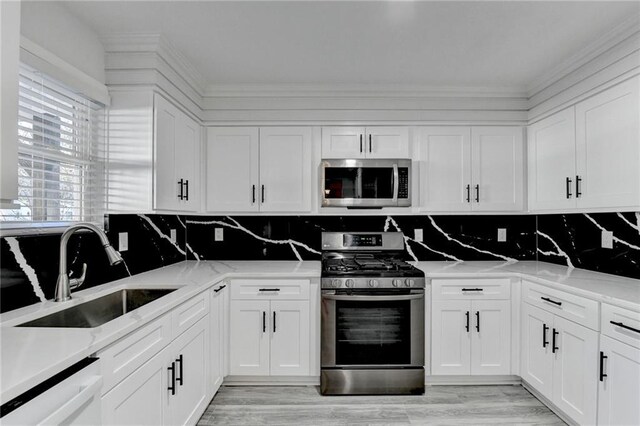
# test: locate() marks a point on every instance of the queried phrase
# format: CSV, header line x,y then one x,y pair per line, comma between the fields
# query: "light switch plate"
x,y
219,236
172,235
123,241
502,235
418,235
607,239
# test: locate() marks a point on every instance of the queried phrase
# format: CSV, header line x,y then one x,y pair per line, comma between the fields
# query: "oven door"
x,y
376,329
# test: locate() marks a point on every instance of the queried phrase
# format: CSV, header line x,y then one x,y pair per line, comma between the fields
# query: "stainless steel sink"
x,y
101,310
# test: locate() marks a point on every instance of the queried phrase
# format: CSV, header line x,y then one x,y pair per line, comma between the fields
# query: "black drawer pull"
x,y
219,289
546,299
274,321
472,289
172,387
478,321
602,358
554,348
179,379
619,324
545,342
269,289
264,322
467,326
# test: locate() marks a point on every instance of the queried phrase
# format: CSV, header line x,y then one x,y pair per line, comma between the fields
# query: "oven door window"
x,y
373,333
341,182
377,182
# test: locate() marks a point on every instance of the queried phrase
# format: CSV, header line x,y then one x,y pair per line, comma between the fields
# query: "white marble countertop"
x,y
31,355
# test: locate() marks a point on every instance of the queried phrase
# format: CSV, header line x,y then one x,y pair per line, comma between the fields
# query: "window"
x,y
60,155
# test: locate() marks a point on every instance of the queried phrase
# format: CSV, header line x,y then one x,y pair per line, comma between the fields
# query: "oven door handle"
x,y
396,183
373,298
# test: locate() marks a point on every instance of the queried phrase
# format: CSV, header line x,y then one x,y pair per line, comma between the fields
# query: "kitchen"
x,y
320,212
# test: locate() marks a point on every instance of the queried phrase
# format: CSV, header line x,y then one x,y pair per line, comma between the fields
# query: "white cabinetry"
x,y
270,331
361,142
258,169
219,334
587,156
471,168
471,330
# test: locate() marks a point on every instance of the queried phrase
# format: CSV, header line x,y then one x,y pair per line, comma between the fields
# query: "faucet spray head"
x,y
113,256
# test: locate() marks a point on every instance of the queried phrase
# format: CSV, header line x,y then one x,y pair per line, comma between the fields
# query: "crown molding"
x,y
623,31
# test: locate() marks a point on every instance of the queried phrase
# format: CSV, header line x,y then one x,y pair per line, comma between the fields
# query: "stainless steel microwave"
x,y
366,183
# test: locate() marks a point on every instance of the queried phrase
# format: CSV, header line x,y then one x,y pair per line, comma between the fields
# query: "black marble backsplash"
x,y
29,264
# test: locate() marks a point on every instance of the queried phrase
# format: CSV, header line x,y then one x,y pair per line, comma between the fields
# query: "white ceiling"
x,y
434,44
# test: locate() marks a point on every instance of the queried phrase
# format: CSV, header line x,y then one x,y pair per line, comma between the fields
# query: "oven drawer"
x,y
289,289
621,324
470,289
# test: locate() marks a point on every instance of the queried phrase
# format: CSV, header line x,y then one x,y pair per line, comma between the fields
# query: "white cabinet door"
x,y
187,162
285,169
249,337
289,338
551,161
445,168
343,142
232,169
451,337
491,337
536,366
216,318
575,370
608,147
387,142
166,185
191,355
141,398
497,168
618,391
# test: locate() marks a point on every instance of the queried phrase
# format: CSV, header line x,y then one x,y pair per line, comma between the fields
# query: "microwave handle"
x,y
396,183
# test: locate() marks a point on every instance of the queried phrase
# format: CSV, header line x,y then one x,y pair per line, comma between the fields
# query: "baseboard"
x,y
550,405
272,380
472,380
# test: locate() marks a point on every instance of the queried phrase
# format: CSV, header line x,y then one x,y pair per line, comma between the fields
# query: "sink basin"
x,y
101,310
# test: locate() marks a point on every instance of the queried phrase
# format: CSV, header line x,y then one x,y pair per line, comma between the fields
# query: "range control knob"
x,y
396,283
335,283
373,283
349,282
409,282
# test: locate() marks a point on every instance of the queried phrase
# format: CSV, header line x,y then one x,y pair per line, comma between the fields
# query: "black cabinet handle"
x,y
360,142
602,358
477,193
472,289
274,321
578,180
467,326
554,348
264,322
468,193
568,187
253,194
186,188
619,324
179,379
269,289
545,342
263,193
546,299
172,387
219,289
370,142
181,194
478,321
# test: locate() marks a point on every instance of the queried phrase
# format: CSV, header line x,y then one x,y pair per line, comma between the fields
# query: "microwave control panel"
x,y
403,182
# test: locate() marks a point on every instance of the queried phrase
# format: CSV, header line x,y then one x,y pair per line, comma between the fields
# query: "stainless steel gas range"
x,y
372,316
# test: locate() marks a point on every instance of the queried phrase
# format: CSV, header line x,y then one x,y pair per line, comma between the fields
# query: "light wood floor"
x,y
442,405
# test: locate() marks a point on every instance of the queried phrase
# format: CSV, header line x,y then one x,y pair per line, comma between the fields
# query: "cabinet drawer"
x,y
626,322
575,308
270,289
123,357
187,314
468,289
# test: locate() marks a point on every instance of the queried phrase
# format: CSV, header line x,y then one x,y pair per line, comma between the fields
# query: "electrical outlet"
x,y
607,239
418,235
502,235
172,235
219,236
123,241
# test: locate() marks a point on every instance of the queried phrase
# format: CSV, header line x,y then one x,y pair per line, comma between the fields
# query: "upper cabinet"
x,y
253,169
586,157
154,155
471,168
361,142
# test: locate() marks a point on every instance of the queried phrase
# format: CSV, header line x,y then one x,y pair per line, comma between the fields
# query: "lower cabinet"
x,y
559,360
471,337
169,389
218,319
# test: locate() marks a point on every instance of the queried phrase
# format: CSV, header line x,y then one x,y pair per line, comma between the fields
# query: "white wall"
x,y
54,28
